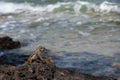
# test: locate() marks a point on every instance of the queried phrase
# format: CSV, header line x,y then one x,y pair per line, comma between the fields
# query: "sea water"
x,y
83,35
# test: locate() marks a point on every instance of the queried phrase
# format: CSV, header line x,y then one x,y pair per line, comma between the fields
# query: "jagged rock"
x,y
7,72
42,69
7,43
36,71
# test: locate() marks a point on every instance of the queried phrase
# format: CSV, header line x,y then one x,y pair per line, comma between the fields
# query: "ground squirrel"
x,y
37,54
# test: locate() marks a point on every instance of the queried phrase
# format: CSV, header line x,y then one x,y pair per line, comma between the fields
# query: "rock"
x,y
7,72
36,71
44,69
7,43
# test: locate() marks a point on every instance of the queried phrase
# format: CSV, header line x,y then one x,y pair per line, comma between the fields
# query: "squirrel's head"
x,y
41,48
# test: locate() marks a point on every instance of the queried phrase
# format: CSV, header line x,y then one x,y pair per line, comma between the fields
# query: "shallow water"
x,y
82,35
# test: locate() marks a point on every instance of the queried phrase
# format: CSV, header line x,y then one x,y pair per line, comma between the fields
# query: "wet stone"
x,y
44,69
7,43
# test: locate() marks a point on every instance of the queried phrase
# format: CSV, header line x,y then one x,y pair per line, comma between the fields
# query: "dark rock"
x,y
7,72
7,43
43,71
36,71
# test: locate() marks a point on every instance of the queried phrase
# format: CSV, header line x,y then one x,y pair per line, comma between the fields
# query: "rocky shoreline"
x,y
42,71
38,70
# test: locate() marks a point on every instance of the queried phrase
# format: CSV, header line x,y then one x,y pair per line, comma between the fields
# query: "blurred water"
x,y
82,35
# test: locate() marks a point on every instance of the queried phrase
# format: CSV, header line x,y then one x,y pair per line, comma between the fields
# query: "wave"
x,y
76,7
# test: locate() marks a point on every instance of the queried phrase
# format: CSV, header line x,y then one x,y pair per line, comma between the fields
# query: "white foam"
x,y
7,7
41,19
83,33
109,7
104,7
